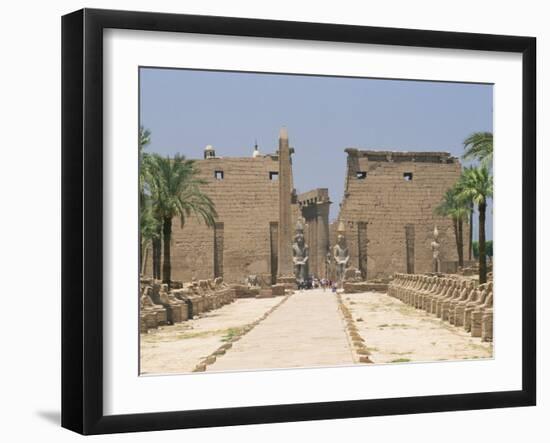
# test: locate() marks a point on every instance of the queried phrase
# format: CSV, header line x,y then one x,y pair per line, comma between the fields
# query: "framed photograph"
x,y
269,221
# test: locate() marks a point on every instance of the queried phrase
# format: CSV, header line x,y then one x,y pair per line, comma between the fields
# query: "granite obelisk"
x,y
285,264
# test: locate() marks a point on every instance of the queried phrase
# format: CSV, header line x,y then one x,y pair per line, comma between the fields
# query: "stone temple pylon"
x,y
285,269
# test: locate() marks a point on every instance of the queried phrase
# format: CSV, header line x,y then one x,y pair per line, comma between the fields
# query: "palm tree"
x,y
479,146
471,231
476,185
144,139
175,192
149,229
457,209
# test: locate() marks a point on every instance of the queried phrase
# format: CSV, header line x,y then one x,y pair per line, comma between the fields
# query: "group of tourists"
x,y
316,283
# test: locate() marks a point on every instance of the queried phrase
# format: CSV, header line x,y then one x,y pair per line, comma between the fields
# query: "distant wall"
x,y
387,211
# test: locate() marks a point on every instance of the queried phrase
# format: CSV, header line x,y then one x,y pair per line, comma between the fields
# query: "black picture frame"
x,y
82,218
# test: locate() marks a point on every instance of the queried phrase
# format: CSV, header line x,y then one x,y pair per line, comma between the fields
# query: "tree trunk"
x,y
166,239
461,243
140,253
156,257
482,252
145,259
471,239
457,239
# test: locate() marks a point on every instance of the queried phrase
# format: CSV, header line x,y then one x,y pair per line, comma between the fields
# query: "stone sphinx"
x,y
252,281
425,289
487,317
465,289
422,286
341,253
300,254
426,298
431,304
453,298
151,314
479,312
470,296
409,291
176,309
476,299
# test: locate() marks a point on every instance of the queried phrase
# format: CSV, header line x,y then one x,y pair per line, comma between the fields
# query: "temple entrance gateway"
x,y
258,206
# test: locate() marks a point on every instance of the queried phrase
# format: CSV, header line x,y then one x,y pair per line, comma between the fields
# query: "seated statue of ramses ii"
x,y
341,256
300,254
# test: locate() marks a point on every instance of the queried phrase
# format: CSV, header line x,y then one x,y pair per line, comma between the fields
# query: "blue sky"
x,y
186,110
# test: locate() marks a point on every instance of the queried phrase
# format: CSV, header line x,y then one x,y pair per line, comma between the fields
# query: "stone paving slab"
x,y
178,348
307,330
395,332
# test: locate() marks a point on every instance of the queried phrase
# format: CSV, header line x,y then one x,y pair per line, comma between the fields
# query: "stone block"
x,y
355,287
243,291
288,282
459,315
475,329
278,289
265,293
161,317
148,320
487,325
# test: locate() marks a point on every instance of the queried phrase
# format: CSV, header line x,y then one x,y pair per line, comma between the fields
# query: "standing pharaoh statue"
x,y
341,253
300,253
435,251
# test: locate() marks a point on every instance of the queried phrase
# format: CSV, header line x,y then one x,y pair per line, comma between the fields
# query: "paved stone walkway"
x,y
307,330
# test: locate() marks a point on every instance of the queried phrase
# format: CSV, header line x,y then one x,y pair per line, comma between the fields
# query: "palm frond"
x,y
476,185
176,190
453,205
479,146
144,138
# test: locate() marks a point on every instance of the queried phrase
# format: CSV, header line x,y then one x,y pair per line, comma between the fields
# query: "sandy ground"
x,y
178,348
305,331
395,332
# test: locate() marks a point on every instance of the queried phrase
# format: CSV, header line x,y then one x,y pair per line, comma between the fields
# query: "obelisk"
x,y
284,268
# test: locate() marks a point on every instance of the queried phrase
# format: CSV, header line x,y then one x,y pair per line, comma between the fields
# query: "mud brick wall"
x,y
380,206
247,202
